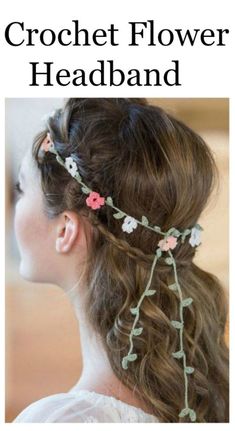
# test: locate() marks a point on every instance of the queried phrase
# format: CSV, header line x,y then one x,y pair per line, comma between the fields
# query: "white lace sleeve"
x,y
82,406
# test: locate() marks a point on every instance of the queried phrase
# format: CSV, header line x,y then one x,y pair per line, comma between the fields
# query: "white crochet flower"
x,y
195,238
71,166
129,224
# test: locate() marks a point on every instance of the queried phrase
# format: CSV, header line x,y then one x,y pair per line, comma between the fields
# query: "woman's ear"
x,y
67,231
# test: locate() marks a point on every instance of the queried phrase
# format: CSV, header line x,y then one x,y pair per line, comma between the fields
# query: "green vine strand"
x,y
183,302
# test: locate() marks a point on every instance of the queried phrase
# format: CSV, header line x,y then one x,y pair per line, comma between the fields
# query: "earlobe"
x,y
67,233
61,247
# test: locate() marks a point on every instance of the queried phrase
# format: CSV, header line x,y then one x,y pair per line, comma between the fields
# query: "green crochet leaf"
x,y
132,357
85,190
125,363
184,412
150,292
189,370
118,215
176,324
78,176
109,200
169,260
198,226
178,354
134,311
192,415
187,302
170,231
145,221
126,359
184,234
137,331
159,252
173,232
176,232
173,286
60,160
157,228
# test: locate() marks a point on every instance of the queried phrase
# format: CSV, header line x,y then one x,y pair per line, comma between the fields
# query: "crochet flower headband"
x,y
170,240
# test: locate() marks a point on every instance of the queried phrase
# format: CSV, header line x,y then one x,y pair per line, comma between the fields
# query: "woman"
x,y
148,164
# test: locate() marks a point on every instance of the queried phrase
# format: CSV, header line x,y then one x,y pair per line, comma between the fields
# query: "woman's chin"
x,y
32,273
26,272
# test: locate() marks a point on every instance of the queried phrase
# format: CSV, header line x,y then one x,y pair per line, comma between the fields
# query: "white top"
x,y
82,406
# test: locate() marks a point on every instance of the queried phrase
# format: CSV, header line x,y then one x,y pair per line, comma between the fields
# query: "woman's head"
x,y
150,164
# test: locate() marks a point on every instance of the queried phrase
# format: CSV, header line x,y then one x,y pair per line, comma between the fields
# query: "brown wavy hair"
x,y
154,165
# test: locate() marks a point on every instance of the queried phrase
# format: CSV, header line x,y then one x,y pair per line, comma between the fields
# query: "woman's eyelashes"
x,y
17,188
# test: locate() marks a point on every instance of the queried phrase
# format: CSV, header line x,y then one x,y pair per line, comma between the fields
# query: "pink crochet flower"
x,y
170,242
47,143
94,200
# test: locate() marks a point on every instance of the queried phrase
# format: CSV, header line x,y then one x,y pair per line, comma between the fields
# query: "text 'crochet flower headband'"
x,y
168,243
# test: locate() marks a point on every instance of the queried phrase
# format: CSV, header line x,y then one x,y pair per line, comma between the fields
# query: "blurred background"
x,y
42,333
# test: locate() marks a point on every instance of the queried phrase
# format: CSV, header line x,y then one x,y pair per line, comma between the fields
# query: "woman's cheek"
x,y
28,226
35,241
24,223
21,221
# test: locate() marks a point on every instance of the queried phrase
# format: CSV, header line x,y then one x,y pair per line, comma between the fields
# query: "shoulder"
x,y
63,407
